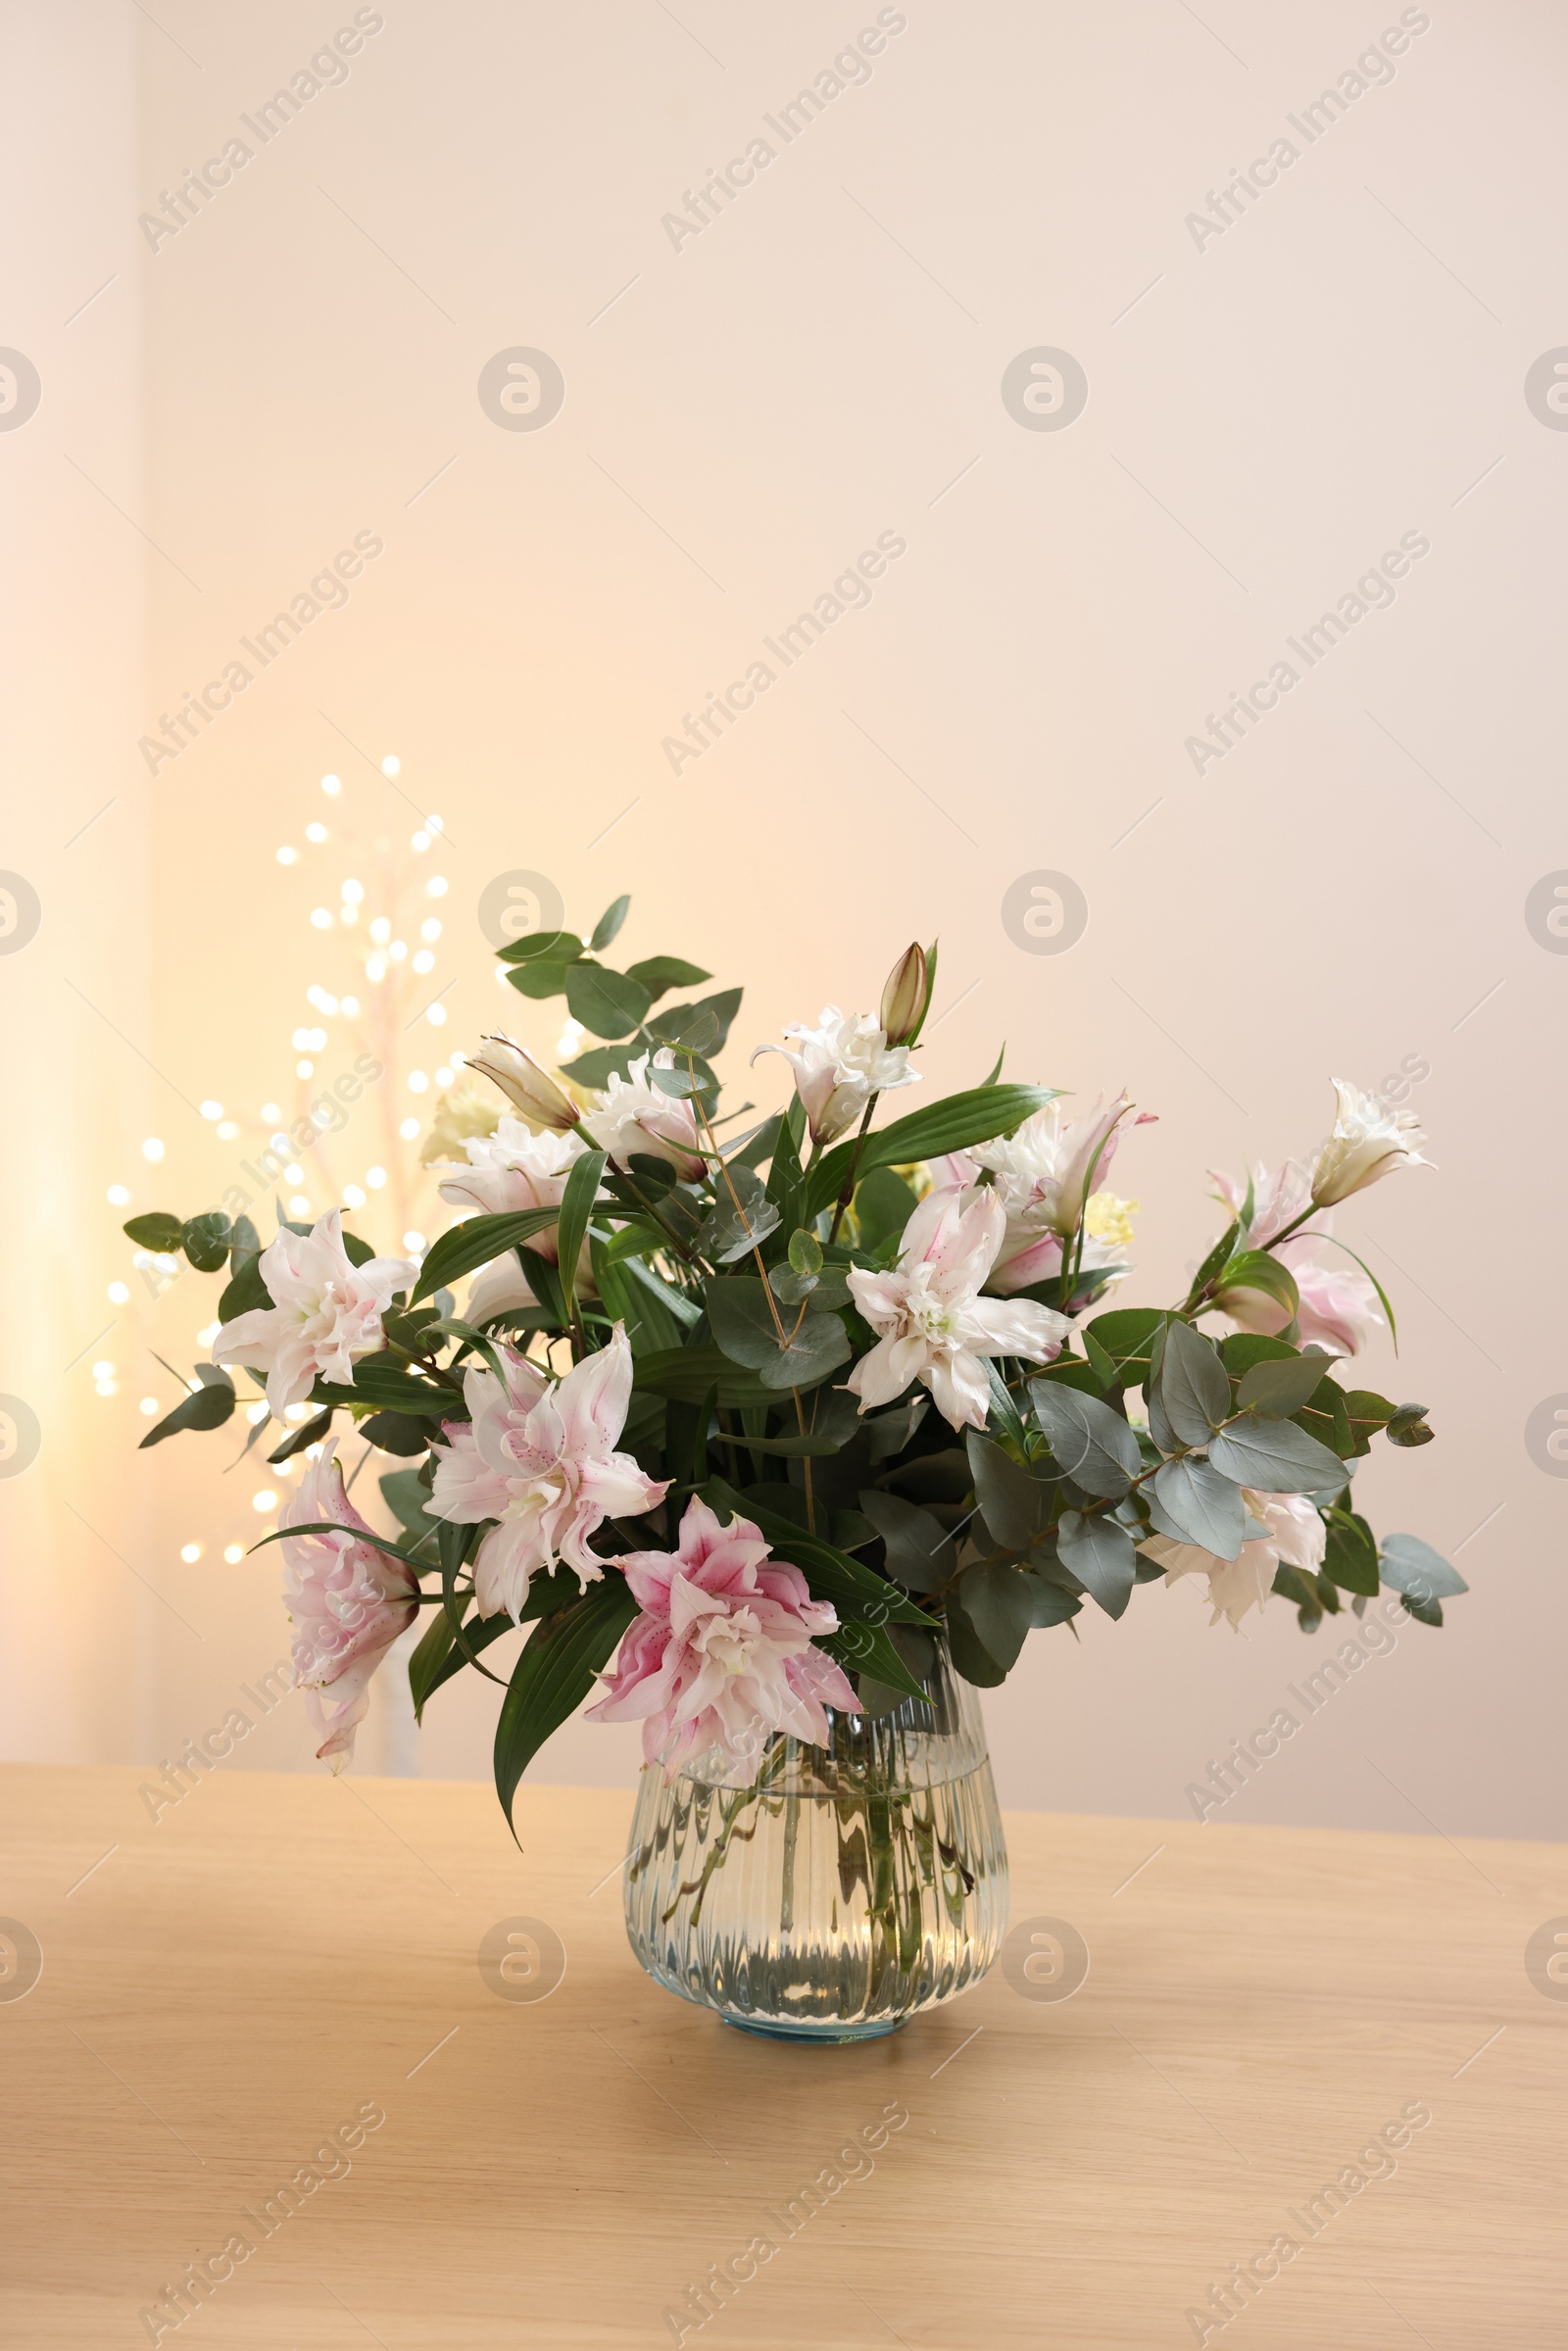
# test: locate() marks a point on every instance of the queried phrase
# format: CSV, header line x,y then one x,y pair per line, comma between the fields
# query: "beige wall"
x,y
1267,413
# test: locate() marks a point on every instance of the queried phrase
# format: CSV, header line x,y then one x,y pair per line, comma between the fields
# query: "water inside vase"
x,y
839,1889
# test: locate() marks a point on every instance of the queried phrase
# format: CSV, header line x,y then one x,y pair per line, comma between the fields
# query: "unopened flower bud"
x,y
907,998
520,1078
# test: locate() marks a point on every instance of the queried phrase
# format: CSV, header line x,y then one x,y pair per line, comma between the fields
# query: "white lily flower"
x,y
1369,1141
842,1062
931,1322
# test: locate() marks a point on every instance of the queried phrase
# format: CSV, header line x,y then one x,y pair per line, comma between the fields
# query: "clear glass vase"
x,y
838,1890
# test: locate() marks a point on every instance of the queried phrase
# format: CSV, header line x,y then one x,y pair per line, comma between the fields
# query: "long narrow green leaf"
x,y
475,1241
554,1674
686,1374
577,1206
953,1125
1383,1296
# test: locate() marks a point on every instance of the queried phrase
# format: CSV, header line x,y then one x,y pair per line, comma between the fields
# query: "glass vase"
x,y
838,1889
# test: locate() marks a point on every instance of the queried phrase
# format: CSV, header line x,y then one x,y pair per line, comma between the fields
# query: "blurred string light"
x,y
331,786
233,1553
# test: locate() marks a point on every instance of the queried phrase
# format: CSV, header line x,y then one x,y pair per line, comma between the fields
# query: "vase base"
x,y
875,2029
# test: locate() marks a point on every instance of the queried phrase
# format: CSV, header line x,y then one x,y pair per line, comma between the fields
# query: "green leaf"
x,y
1275,1457
883,1205
206,1407
577,1206
1194,1394
245,1292
970,1657
1068,1372
156,1231
741,1217
478,1633
555,947
1350,1559
659,974
1053,1605
818,1345
1012,1501
475,1241
920,1553
1089,1441
1302,1591
430,1653
638,1237
206,1241
332,1526
1218,1257
867,1649
544,977
743,1323
805,1252
544,1280
1424,1612
1325,1418
244,1242
856,1589
1279,1388
310,1432
389,1389
1100,1554
1255,1269
1105,1367
686,1374
951,1125
356,1252
393,1433
1005,1408
1383,1296
1408,1426
554,1673
789,1448
1240,1350
606,1003
1367,1412
1192,1502
1412,1567
606,1061
702,1027
406,1494
998,1601
608,923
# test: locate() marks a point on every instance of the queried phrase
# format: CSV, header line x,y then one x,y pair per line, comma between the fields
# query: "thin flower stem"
x,y
847,1193
784,1340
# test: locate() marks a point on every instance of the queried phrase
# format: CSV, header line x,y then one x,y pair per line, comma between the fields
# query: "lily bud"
x,y
524,1084
907,998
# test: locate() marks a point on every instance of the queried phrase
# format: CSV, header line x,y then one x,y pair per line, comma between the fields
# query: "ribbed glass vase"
x,y
841,1888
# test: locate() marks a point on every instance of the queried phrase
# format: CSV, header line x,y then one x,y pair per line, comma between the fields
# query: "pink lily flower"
x,y
538,1459
723,1649
348,1603
325,1312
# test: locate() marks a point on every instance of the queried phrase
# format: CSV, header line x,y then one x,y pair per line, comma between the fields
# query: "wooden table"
x,y
276,1960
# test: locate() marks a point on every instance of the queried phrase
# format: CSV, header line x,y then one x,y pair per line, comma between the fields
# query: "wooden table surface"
x,y
232,1995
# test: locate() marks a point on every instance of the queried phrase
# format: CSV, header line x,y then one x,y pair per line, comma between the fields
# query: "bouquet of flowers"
x,y
739,1419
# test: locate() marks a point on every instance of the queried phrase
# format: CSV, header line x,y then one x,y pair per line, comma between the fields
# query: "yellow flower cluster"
x,y
1110,1218
468,1108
